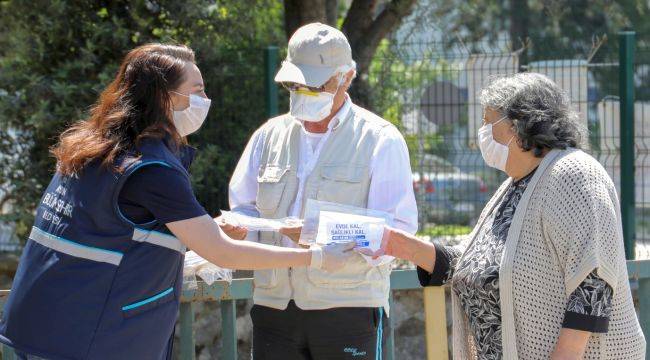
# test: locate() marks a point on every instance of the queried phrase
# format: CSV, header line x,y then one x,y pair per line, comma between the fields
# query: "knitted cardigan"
x,y
566,224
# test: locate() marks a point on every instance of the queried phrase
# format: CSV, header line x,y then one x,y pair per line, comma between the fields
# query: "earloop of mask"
x,y
500,120
343,70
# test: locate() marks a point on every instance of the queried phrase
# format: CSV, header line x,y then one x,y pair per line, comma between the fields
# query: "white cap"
x,y
316,52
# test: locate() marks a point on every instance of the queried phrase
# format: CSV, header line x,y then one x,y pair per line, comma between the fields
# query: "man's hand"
x,y
233,231
292,232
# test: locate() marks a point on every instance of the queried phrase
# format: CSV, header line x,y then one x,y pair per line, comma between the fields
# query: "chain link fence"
x,y
431,90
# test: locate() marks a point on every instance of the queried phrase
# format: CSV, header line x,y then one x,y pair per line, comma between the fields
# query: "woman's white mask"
x,y
310,105
494,153
189,120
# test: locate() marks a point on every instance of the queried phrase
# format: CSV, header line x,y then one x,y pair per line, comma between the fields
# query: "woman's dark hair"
x,y
539,110
134,106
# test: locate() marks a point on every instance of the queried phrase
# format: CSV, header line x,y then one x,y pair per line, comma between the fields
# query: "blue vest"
x,y
90,283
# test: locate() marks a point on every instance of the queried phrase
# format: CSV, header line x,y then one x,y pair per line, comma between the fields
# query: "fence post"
x,y
435,325
8,353
187,331
627,145
270,65
390,342
228,330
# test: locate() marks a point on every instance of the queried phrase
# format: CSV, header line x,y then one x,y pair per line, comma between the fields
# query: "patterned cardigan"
x,y
566,225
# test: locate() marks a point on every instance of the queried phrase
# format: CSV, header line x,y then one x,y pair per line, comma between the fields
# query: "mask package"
x,y
327,222
195,265
259,224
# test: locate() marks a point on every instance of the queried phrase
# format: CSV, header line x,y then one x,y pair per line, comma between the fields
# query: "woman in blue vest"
x,y
100,276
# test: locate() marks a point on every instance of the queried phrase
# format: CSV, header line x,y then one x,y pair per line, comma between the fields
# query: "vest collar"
x,y
185,153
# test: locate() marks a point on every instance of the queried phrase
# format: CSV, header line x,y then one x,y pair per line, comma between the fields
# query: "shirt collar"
x,y
342,114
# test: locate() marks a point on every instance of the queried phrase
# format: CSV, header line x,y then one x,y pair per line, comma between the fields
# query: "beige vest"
x,y
341,175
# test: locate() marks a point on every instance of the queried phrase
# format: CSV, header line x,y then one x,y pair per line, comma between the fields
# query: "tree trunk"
x,y
365,31
301,12
365,26
332,12
519,22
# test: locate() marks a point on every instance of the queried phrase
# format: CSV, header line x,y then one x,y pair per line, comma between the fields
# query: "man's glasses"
x,y
295,87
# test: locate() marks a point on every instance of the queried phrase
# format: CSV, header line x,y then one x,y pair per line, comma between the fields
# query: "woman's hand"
x,y
403,245
331,257
205,237
398,243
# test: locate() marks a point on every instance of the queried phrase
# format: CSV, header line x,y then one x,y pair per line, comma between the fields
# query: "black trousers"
x,y
339,333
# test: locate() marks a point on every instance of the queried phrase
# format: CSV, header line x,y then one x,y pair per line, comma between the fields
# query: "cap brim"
x,y
313,76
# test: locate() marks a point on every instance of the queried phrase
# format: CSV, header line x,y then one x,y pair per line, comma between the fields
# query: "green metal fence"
x,y
626,89
639,274
431,91
241,289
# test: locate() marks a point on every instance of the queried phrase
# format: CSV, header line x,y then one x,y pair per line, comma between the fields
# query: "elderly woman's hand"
x,y
403,245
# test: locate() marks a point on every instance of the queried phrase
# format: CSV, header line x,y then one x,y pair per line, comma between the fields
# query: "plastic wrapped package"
x,y
327,222
208,272
366,231
259,224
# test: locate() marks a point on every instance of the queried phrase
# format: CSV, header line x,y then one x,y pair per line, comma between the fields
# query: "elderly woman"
x,y
543,273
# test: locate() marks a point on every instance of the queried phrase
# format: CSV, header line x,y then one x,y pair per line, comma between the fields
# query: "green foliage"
x,y
56,56
397,85
552,25
445,230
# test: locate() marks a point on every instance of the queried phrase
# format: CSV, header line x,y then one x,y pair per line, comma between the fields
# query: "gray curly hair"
x,y
540,111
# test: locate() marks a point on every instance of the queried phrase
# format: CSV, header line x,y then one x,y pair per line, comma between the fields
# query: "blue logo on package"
x,y
363,243
360,239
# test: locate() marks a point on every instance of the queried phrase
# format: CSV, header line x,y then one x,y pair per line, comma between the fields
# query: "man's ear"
x,y
348,78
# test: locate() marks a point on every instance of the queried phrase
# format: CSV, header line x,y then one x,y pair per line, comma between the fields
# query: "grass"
x,y
445,230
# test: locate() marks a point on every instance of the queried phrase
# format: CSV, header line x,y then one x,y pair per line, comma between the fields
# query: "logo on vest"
x,y
55,206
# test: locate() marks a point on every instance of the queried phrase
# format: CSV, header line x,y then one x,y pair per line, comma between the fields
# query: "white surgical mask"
x,y
494,153
190,120
311,106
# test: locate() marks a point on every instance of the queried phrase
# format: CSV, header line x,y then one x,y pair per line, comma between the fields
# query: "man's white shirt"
x,y
391,181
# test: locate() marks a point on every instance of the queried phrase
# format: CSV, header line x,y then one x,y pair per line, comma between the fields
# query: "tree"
x,y
52,69
551,29
365,24
551,25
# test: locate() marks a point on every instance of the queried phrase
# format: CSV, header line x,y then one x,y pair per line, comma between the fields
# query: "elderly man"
x,y
329,149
